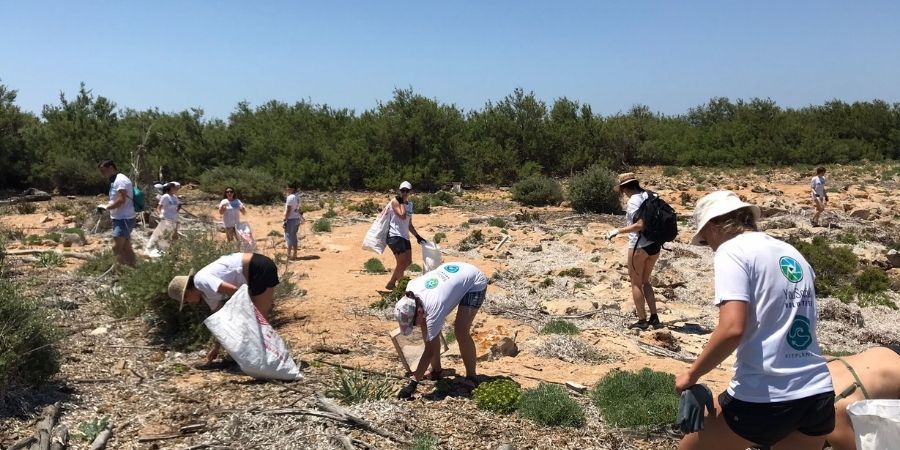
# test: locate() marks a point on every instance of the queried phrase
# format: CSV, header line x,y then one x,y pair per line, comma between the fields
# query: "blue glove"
x,y
691,408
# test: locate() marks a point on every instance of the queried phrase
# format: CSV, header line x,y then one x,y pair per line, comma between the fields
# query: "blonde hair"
x,y
736,222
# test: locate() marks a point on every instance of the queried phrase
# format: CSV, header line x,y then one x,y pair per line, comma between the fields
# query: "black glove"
x,y
407,392
691,406
399,199
421,240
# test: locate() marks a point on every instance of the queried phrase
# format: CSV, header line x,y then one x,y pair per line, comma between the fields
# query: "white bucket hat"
x,y
717,204
406,185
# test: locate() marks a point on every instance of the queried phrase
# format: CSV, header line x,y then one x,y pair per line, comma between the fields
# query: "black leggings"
x,y
263,274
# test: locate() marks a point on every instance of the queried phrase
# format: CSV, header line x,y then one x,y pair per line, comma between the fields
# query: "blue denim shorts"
x,y
122,228
473,299
291,227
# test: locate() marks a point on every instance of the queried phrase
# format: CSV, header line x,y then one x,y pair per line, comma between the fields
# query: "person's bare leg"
x,y
130,259
800,441
647,288
403,261
264,302
436,363
465,315
715,435
636,261
123,251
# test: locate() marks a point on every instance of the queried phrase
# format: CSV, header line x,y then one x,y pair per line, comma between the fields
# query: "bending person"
x,y
222,278
428,300
781,394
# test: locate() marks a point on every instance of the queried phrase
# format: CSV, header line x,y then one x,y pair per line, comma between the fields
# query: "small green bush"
x,y
438,237
309,207
424,441
645,400
835,266
550,405
26,208
49,259
367,207
70,175
27,339
253,186
472,241
559,326
355,386
498,222
450,336
422,205
867,299
374,265
414,268
546,282
98,263
322,225
574,272
671,171
848,238
330,214
872,280
592,191
537,190
88,430
501,396
388,299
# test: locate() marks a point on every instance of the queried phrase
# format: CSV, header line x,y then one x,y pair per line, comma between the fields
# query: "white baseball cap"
x,y
406,185
405,314
717,204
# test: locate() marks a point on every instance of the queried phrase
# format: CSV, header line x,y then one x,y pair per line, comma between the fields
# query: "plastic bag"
x,y
250,340
876,423
160,239
245,237
376,237
431,254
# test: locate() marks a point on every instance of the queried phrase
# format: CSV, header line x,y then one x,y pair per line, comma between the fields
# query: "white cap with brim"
x,y
405,313
714,205
406,185
178,287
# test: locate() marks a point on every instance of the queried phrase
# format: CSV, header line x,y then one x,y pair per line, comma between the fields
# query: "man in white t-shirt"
x,y
781,392
428,300
292,218
818,195
121,211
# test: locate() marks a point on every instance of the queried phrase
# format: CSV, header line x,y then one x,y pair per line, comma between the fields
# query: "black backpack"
x,y
660,220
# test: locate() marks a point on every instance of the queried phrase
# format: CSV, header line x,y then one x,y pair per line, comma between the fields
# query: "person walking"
x,y
398,235
121,211
231,208
428,301
642,253
169,205
292,219
781,394
818,195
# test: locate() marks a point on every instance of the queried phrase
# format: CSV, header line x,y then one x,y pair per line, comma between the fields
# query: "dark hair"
x,y
167,187
291,185
225,193
737,221
633,185
107,163
820,170
190,284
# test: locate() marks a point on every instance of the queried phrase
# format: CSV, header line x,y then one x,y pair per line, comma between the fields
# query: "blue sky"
x,y
668,55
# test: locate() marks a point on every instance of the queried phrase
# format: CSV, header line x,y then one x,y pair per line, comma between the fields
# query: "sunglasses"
x,y
229,192
404,190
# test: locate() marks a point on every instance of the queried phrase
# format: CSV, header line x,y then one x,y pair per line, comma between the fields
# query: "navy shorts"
x,y
768,423
399,245
473,299
122,228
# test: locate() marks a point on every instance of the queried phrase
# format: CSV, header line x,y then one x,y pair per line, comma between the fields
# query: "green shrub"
x,y
330,214
498,222
388,299
424,441
88,430
355,386
70,175
559,326
49,259
309,207
27,339
834,266
550,405
872,280
546,282
645,400
98,263
450,336
501,396
848,238
867,299
253,185
671,171
422,205
414,268
367,207
574,272
322,225
374,265
26,208
592,191
472,241
438,237
537,191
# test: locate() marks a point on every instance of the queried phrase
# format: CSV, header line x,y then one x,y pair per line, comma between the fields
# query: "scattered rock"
x,y
863,214
506,347
833,309
893,257
99,331
536,248
577,387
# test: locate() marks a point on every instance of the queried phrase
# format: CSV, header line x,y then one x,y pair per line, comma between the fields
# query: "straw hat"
x,y
717,204
178,287
625,178
405,313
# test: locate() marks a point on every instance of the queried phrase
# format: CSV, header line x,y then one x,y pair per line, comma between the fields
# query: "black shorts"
x,y
263,274
768,423
399,245
652,249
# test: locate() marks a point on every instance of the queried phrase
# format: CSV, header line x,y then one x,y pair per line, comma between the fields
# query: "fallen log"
x,y
369,371
158,437
99,442
81,256
60,439
41,197
328,406
22,443
43,428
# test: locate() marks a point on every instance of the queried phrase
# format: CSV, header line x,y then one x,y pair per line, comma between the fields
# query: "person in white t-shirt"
x,y
398,233
292,219
121,211
231,209
818,194
428,301
222,278
642,253
781,394
169,204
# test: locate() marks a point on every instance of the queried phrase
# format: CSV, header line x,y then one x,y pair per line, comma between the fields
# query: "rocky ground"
x,y
153,397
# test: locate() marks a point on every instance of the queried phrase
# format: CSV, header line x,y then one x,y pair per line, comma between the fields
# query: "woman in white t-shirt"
x,y
231,208
642,253
398,234
818,195
169,204
781,394
292,219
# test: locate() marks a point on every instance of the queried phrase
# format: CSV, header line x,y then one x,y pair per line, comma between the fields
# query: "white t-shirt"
x,y
293,203
232,214
400,227
126,211
634,203
442,289
818,186
169,203
228,268
778,358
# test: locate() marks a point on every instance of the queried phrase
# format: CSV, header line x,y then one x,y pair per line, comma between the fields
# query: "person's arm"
x,y
287,211
633,228
399,209
119,201
723,341
227,288
412,230
222,206
159,208
243,210
431,348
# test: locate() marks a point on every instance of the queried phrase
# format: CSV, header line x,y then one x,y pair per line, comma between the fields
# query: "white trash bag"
x,y
251,341
160,239
431,253
245,237
876,424
376,237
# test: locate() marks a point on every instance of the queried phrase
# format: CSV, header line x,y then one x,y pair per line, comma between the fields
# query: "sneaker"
x,y
640,324
654,321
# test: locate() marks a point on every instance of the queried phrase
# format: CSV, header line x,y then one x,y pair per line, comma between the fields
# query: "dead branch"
x,y
99,442
327,405
158,437
344,441
659,351
82,256
60,439
373,372
503,241
43,428
22,443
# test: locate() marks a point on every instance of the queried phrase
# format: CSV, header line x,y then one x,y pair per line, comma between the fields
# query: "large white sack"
x,y
160,239
876,424
376,237
245,237
431,254
250,340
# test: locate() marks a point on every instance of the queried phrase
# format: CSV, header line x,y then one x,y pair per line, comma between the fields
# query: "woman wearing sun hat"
x,y
428,300
222,278
781,392
398,234
642,253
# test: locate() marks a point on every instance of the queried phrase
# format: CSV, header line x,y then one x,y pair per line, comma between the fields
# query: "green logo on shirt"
x,y
799,336
452,268
431,283
791,269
